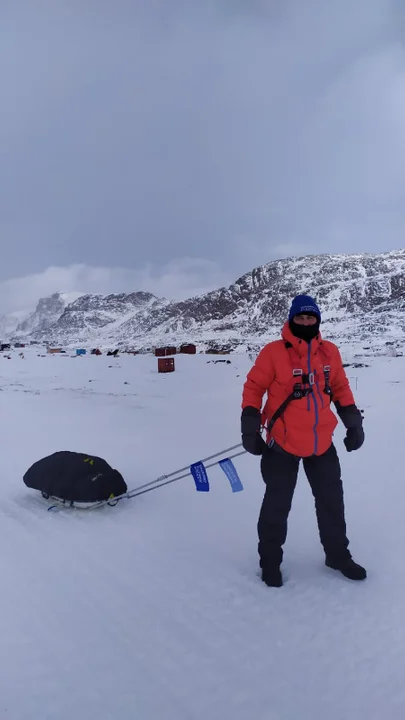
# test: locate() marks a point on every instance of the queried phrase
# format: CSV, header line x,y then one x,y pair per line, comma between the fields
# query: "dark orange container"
x,y
166,365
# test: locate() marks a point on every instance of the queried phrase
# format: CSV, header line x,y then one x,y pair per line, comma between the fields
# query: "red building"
x,y
163,351
188,349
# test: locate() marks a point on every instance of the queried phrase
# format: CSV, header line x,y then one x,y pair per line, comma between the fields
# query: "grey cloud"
x,y
135,133
179,279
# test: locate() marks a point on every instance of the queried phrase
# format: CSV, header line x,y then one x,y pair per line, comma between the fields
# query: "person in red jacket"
x,y
301,374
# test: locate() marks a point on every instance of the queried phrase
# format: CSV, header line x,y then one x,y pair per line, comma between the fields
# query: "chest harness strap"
x,y
299,391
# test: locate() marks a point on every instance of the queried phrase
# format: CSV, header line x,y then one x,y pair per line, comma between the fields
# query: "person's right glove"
x,y
252,440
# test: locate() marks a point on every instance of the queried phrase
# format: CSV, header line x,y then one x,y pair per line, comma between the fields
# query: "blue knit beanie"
x,y
303,304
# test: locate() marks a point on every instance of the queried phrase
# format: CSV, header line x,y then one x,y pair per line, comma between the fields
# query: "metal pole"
x,y
158,481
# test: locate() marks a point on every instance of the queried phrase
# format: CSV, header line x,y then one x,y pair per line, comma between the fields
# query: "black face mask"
x,y
304,332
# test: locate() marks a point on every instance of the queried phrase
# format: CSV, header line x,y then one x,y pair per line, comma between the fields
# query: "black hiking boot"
x,y
349,569
272,577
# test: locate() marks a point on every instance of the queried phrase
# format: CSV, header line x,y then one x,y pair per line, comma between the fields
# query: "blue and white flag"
x,y
200,476
231,473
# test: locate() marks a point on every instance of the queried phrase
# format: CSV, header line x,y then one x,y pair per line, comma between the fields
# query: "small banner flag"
x,y
231,473
200,476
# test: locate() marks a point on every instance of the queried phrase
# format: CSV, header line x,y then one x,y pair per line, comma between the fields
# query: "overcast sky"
x,y
173,145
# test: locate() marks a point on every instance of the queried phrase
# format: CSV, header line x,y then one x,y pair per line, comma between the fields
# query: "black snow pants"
x,y
279,471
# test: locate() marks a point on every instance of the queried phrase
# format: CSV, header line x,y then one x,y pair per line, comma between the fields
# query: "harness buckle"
x,y
327,389
299,392
311,378
297,371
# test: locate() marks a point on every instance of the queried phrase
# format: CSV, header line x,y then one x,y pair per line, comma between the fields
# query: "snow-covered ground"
x,y
153,609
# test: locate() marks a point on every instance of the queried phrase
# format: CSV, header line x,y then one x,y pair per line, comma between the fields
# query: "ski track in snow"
x,y
154,608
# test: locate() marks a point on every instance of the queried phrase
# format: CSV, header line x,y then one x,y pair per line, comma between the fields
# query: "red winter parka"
x,y
306,426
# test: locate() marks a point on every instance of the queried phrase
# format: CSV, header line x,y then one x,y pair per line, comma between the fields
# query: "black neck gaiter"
x,y
304,332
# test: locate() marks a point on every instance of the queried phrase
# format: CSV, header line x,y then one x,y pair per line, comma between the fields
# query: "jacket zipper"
x,y
315,403
318,390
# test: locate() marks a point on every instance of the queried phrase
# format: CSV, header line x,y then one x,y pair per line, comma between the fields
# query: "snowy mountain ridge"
x,y
46,314
362,298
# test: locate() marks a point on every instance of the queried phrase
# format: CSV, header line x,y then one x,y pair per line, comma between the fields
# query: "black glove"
x,y
252,440
352,419
354,438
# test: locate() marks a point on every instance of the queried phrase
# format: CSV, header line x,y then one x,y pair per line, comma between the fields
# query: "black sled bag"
x,y
75,477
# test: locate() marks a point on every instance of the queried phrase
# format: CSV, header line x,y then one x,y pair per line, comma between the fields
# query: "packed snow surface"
x,y
153,609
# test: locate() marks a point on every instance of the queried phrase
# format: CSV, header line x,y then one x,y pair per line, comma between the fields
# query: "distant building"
x,y
188,349
163,351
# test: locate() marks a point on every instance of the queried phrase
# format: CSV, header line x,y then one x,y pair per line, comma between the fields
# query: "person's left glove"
x,y
354,438
352,419
252,440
